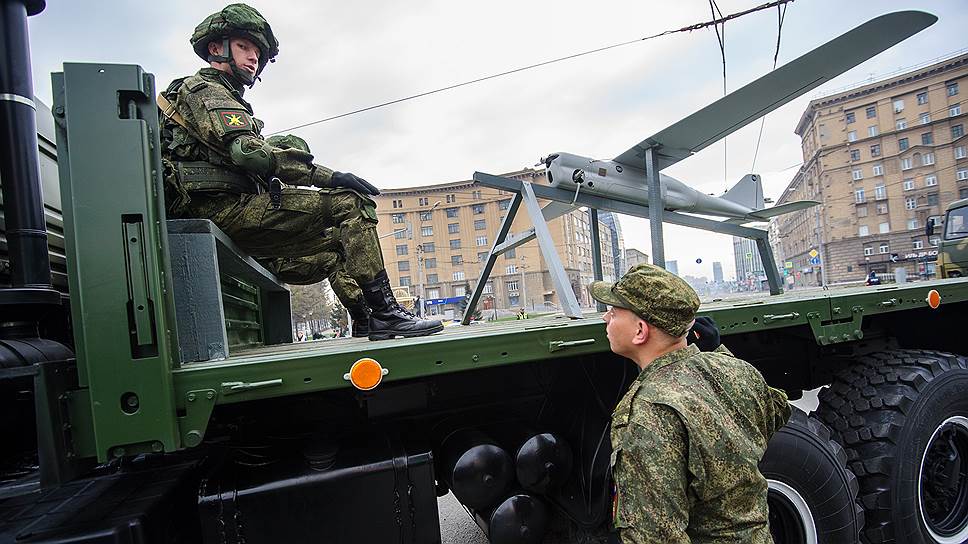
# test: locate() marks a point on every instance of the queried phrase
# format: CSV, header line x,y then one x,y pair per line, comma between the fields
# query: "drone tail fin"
x,y
747,192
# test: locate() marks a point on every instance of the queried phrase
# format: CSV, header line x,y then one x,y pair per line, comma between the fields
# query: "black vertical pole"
x,y
23,201
596,249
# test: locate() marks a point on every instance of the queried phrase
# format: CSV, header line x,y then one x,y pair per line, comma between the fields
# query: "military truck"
x,y
151,391
953,250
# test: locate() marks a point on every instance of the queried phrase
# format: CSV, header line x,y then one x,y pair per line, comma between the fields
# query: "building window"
x,y
481,241
908,184
883,248
962,174
927,159
912,224
402,250
480,224
400,234
963,192
868,250
433,293
428,247
426,216
960,152
880,192
397,218
403,266
423,201
906,163
859,196
426,231
898,105
456,260
935,241
432,279
910,202
922,98
882,208
927,138
872,130
902,144
455,243
933,199
458,276
509,254
952,88
488,288
430,263
900,124
876,150
397,203
957,131
451,199
851,117
852,136
857,174
511,269
930,181
863,230
459,290
871,112
478,209
453,228
504,204
476,195
512,286
404,281
925,118
884,228
452,212
482,256
861,211
917,243
878,170
954,110
855,154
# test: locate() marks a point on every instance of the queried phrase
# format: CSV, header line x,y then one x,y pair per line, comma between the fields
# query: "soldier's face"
x,y
244,52
625,330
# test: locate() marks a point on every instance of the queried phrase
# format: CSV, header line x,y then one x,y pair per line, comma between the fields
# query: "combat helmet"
x,y
239,21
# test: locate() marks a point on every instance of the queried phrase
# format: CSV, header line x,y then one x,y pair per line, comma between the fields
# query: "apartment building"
x,y
436,238
882,158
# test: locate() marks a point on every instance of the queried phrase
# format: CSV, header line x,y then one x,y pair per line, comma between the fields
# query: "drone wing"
x,y
745,105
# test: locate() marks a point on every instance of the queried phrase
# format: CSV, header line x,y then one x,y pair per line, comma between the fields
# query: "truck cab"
x,y
953,253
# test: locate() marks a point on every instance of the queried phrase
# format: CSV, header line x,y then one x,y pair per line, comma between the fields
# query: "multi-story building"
x,y
634,257
610,221
718,273
672,266
436,238
749,266
882,158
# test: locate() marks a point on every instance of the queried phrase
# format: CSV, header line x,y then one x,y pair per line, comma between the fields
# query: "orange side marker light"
x,y
934,299
365,374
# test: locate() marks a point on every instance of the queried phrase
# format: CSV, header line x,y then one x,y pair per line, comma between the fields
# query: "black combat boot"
x,y
361,318
387,318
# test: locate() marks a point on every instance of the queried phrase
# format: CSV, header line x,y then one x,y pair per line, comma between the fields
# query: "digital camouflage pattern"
x,y
654,294
310,220
236,20
686,441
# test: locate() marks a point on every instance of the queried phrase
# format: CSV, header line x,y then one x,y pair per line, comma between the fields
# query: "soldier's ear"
x,y
641,333
215,48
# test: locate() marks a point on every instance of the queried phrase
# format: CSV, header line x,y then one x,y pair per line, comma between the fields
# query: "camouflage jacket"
x,y
216,115
686,441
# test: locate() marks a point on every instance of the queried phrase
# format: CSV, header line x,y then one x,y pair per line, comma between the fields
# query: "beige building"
x,y
436,238
634,257
882,158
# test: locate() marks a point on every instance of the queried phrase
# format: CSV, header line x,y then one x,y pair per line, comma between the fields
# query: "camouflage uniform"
x,y
689,433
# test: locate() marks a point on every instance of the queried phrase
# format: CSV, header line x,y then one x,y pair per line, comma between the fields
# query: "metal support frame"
x,y
655,208
596,250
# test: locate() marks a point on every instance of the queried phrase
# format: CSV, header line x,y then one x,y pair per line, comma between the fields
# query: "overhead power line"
x,y
690,28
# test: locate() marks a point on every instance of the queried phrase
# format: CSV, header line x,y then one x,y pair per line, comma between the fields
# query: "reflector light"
x,y
365,374
934,299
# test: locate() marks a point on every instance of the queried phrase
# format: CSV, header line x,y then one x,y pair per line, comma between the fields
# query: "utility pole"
x,y
524,288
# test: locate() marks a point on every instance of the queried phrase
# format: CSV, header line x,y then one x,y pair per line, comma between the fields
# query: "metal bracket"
x,y
558,345
835,333
198,409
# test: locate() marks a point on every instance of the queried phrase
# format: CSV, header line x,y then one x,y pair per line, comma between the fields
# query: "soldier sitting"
x,y
218,167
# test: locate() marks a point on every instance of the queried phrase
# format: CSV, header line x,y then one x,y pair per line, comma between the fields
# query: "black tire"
x,y
902,416
813,495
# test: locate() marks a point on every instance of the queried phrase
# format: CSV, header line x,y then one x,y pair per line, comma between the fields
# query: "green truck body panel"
x,y
953,253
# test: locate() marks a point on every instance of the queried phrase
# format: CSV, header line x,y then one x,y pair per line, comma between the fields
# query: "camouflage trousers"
x,y
320,232
314,269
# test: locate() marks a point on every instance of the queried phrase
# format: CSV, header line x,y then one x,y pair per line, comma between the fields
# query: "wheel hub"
x,y
944,481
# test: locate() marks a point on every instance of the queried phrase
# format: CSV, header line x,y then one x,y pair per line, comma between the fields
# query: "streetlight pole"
x,y
420,275
524,286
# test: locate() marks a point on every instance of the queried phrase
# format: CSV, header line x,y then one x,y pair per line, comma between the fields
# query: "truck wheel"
x,y
812,494
903,417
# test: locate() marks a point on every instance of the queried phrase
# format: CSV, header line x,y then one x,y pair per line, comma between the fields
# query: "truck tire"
x,y
812,493
902,415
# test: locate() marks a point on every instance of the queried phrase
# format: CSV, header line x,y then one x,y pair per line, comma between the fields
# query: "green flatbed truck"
x,y
150,390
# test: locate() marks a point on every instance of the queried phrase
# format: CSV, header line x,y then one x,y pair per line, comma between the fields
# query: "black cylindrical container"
x,y
476,469
519,519
543,463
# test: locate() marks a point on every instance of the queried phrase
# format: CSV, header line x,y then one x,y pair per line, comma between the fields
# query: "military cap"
x,y
288,141
654,294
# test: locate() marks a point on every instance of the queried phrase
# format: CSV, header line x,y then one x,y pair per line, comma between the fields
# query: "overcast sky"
x,y
338,56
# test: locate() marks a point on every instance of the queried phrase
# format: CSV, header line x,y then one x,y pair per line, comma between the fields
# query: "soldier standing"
x,y
274,203
688,435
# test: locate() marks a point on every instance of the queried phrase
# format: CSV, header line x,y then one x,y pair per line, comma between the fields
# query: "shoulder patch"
x,y
234,119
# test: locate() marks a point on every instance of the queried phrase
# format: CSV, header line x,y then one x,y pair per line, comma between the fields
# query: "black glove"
x,y
350,181
704,333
